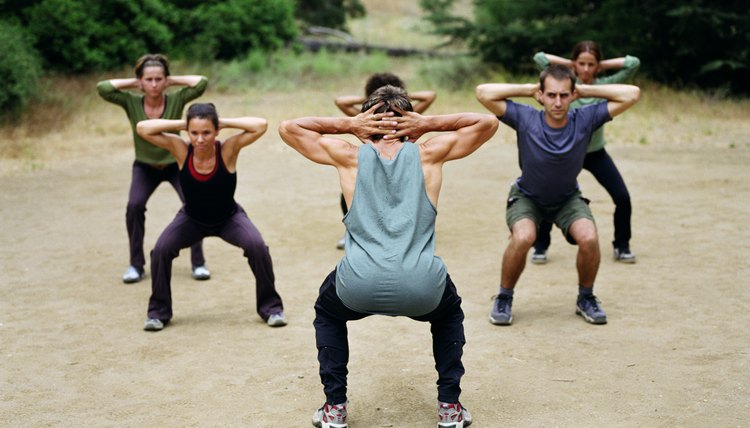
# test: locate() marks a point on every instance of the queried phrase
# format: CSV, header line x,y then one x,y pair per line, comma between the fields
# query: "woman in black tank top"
x,y
208,175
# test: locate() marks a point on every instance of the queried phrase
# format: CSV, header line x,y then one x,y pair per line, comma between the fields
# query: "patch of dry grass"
x,y
399,23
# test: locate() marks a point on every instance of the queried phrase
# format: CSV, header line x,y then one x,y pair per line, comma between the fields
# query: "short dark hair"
x,y
378,80
151,60
557,72
392,97
203,111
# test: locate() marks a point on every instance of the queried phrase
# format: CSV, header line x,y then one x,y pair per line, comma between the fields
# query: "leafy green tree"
x,y
230,29
681,42
20,68
85,35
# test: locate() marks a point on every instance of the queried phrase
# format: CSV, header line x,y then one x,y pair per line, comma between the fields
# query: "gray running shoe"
x,y
201,273
623,255
133,274
153,324
341,242
277,320
330,416
501,310
588,307
539,257
453,415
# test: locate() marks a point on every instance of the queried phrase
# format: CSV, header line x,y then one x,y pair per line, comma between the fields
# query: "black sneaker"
x,y
623,255
501,310
588,307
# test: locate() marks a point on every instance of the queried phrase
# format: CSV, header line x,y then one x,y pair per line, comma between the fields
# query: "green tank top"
x,y
390,266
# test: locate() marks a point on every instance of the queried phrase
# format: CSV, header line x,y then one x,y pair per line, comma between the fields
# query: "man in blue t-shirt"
x,y
552,145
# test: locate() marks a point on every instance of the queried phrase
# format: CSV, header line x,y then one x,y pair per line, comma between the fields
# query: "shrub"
x,y
232,28
85,35
19,66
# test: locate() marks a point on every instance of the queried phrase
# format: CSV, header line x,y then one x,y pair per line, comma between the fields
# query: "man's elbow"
x,y
286,130
634,95
481,92
490,124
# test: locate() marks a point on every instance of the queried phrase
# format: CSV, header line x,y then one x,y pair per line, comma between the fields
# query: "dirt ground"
x,y
674,353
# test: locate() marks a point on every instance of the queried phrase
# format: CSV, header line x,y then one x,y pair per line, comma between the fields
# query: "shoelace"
x,y
592,302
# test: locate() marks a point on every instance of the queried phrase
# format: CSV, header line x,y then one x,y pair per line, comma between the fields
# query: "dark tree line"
x,y
699,43
79,36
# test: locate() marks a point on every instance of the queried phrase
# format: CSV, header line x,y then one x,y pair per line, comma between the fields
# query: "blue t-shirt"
x,y
552,158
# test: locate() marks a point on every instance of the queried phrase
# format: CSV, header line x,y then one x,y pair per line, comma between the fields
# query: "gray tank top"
x,y
390,266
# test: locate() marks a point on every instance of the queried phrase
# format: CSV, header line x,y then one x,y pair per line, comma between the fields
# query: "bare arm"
x,y
351,105
159,133
466,132
422,100
554,59
348,104
493,95
190,80
307,135
619,97
612,64
252,128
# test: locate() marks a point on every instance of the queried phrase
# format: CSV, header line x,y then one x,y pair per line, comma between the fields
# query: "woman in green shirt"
x,y
152,164
587,61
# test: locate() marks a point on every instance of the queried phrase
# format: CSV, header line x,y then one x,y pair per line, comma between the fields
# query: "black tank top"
x,y
209,198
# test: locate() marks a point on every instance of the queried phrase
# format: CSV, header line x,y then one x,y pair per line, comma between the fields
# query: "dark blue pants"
x,y
331,337
604,170
183,232
143,184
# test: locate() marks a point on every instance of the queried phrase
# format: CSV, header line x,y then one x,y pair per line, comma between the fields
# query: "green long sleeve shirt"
x,y
132,103
623,75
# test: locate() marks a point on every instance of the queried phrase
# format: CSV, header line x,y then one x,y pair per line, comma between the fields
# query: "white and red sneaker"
x,y
330,416
453,415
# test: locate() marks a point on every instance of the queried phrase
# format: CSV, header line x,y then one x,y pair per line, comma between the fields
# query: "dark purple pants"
x,y
143,184
183,232
331,337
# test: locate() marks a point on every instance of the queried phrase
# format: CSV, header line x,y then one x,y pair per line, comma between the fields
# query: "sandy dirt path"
x,y
675,352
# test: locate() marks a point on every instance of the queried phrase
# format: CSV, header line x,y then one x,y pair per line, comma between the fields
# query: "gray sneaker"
x,y
623,255
133,274
453,415
153,324
330,416
501,310
539,257
277,320
588,307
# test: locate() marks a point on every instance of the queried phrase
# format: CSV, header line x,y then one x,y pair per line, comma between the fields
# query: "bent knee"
x,y
524,232
583,231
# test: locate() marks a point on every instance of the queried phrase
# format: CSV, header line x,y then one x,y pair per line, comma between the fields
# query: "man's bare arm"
x,y
493,95
307,134
619,97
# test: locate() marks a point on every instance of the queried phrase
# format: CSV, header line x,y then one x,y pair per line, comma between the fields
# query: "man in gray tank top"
x,y
391,186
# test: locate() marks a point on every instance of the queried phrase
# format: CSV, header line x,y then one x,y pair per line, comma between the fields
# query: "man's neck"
x,y
387,148
553,123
